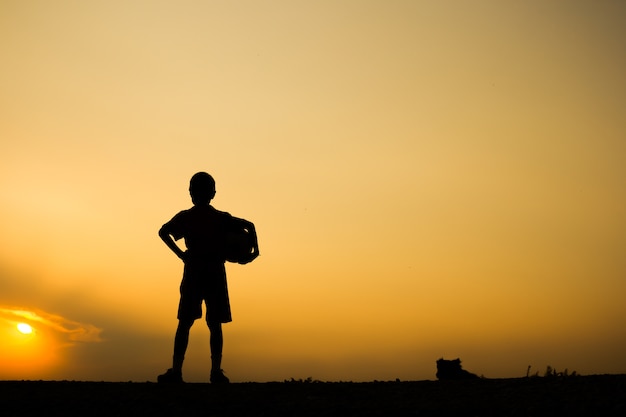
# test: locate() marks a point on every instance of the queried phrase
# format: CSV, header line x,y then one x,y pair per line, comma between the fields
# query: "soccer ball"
x,y
239,246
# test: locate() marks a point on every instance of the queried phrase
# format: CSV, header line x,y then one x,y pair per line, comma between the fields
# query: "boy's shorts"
x,y
200,284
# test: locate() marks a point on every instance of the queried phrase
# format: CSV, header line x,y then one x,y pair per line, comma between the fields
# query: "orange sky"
x,y
428,179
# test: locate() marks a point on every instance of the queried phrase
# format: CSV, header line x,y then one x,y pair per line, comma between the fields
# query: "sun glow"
x,y
26,352
36,342
24,328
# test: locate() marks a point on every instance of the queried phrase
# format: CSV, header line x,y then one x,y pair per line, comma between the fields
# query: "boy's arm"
x,y
165,235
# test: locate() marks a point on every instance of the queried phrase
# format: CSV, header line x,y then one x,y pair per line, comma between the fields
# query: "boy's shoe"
x,y
218,377
171,377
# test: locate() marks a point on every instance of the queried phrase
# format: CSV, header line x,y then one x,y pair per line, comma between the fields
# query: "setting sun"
x,y
24,328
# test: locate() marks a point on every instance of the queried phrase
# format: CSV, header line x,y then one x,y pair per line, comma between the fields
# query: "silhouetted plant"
x,y
309,380
551,373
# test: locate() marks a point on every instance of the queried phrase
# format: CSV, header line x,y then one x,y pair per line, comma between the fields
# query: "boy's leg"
x,y
217,343
175,373
181,340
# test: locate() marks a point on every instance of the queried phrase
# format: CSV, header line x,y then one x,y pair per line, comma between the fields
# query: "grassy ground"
x,y
597,395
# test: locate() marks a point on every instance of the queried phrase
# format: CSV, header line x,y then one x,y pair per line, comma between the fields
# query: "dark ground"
x,y
596,395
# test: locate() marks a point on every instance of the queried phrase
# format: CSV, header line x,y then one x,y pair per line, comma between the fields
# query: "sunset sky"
x,y
428,179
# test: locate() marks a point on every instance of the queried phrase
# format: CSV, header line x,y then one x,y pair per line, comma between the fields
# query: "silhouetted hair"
x,y
202,188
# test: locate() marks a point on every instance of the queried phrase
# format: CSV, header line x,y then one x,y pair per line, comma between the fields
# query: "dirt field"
x,y
598,395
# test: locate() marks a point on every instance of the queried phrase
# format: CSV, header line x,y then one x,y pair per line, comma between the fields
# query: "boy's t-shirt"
x,y
204,229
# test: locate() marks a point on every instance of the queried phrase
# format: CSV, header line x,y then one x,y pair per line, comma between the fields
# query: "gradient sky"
x,y
428,179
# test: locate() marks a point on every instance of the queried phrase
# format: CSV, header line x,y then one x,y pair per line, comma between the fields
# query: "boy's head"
x,y
201,188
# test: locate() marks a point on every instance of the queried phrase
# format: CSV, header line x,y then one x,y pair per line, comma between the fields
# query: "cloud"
x,y
73,330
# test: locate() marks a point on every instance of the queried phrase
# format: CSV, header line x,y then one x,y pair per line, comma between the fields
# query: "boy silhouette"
x,y
204,277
